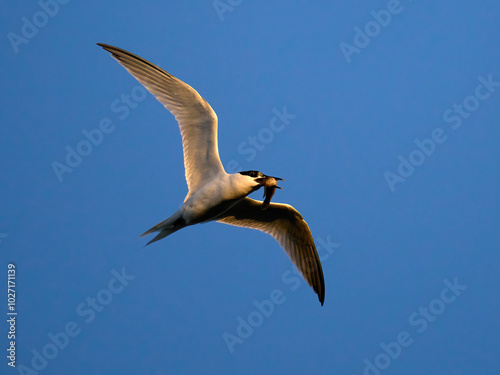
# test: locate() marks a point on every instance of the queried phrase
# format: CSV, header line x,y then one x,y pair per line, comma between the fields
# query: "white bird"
x,y
214,194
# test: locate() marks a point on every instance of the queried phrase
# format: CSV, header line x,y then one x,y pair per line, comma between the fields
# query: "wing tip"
x,y
104,45
320,288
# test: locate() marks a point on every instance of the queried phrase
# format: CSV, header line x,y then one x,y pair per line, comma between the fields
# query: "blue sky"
x,y
392,159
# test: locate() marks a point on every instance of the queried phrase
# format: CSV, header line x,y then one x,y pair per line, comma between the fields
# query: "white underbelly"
x,y
206,204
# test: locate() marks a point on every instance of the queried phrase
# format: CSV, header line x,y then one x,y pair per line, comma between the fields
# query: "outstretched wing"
x,y
287,226
197,120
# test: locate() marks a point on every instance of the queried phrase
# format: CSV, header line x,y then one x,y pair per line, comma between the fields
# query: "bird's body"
x,y
214,198
207,203
213,194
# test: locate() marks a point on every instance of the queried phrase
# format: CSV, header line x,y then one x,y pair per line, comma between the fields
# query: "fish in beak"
x,y
270,185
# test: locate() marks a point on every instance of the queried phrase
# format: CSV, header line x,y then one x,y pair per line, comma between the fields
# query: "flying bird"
x,y
213,194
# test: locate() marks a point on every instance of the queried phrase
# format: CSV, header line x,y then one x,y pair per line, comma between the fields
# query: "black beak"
x,y
270,186
264,180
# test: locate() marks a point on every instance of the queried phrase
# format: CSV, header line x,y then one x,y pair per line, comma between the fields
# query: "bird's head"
x,y
259,179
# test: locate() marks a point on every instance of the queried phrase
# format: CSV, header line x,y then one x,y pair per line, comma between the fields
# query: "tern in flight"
x,y
215,195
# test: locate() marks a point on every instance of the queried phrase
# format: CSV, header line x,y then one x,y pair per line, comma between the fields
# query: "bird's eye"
x,y
250,173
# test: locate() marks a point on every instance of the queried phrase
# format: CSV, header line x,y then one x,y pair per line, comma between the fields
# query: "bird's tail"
x,y
166,227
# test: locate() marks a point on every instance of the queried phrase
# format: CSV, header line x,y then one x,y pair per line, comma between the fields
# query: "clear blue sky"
x,y
392,159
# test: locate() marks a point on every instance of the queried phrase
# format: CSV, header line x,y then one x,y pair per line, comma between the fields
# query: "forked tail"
x,y
166,227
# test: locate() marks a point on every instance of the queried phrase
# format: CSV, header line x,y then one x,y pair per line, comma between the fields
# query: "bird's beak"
x,y
270,185
268,181
260,180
